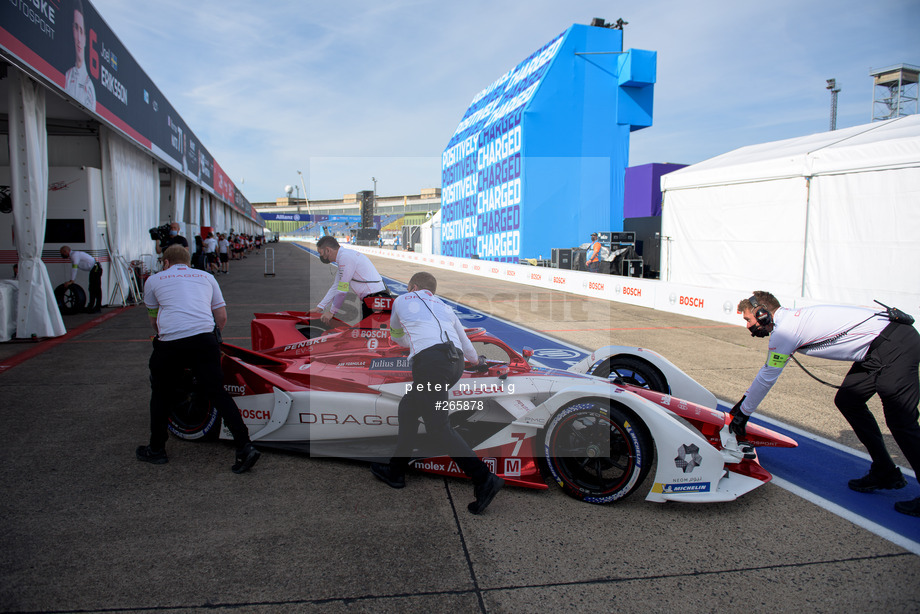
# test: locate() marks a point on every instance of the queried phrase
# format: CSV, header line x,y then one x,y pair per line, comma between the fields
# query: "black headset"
x,y
763,317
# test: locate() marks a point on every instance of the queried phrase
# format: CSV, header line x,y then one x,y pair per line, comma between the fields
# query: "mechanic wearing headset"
x,y
433,334
83,261
187,311
885,348
594,261
355,272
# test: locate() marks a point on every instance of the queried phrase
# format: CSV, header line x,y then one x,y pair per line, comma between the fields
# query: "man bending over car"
x,y
885,348
355,272
431,330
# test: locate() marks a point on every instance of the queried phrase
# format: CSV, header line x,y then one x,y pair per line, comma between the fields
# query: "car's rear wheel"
x,y
193,416
634,372
597,451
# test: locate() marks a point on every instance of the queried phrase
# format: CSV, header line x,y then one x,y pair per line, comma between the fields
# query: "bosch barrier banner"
x,y
67,43
538,159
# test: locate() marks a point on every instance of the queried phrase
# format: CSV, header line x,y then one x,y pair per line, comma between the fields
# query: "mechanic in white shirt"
x,y
437,346
210,252
355,273
223,247
81,261
187,311
885,350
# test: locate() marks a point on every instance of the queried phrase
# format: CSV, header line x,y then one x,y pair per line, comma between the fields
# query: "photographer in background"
x,y
173,238
187,311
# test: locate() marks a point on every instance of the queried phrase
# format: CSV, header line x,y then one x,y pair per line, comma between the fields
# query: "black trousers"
x,y
889,369
95,288
432,366
200,354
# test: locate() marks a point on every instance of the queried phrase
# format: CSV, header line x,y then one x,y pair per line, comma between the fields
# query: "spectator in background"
x,y
223,249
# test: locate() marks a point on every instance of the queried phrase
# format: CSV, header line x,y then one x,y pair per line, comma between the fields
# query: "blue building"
x,y
538,160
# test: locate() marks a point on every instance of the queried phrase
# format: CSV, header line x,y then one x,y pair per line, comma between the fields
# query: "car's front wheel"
x,y
597,451
634,372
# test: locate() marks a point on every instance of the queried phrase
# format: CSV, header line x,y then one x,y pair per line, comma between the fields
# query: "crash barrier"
x,y
700,302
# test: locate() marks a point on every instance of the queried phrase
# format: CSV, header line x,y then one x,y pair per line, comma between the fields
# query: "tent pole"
x,y
805,245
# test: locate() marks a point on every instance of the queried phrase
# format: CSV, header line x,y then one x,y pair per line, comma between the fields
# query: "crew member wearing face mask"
x,y
355,273
174,239
885,350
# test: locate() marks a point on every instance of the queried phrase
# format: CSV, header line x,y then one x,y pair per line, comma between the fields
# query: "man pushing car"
x,y
421,322
885,350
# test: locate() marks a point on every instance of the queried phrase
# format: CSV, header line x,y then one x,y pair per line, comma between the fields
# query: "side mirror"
x,y
527,352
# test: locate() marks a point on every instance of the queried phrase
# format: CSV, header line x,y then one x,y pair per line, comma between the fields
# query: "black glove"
x,y
738,425
482,366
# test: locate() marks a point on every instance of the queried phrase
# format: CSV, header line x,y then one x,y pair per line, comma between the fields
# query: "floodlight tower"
x,y
832,86
895,91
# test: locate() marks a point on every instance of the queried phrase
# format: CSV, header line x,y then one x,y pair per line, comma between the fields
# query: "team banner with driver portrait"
x,y
69,44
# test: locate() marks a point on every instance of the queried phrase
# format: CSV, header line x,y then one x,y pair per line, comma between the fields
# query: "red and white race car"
x,y
599,426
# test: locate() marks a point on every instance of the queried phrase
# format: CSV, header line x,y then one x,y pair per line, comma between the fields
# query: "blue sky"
x,y
347,90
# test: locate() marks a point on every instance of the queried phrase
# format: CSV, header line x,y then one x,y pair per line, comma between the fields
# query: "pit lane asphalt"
x,y
88,528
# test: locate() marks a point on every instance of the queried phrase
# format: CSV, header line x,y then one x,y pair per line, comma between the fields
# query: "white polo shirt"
x,y
420,320
182,299
80,261
836,332
355,272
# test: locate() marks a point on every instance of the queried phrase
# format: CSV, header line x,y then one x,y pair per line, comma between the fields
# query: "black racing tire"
x,y
70,299
597,451
633,371
194,417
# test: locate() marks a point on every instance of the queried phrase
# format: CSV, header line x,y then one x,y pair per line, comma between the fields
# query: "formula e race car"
x,y
596,428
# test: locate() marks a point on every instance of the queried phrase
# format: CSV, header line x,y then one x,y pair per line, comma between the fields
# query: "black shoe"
x,y
873,481
385,473
149,455
911,508
484,493
246,457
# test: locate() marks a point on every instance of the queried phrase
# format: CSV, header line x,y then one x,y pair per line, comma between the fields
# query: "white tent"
x,y
832,217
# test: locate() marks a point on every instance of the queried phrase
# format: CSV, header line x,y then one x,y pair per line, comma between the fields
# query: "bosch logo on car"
x,y
255,414
364,333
